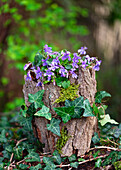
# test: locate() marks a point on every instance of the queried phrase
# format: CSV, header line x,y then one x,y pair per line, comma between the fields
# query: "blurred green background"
x,y
26,25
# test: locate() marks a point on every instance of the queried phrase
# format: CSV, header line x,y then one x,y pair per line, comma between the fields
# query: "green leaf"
x,y
3,138
72,158
65,113
57,157
65,84
26,122
98,163
81,159
54,126
37,167
34,157
100,95
31,110
49,163
78,104
107,119
38,59
95,138
44,112
36,98
95,109
23,166
74,165
23,112
88,111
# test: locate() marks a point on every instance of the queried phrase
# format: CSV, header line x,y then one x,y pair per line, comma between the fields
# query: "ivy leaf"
x,y
74,165
37,59
31,110
65,84
37,167
65,113
95,138
23,112
95,109
34,157
23,166
98,163
88,111
72,158
26,122
78,104
3,138
49,163
107,119
57,157
54,126
100,95
44,112
36,98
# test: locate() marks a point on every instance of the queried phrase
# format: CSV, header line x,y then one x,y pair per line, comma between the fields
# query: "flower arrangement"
x,y
49,65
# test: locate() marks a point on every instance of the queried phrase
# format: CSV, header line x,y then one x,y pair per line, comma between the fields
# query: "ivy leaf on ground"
x,y
88,111
74,165
3,138
44,112
57,157
72,158
31,110
65,84
107,119
98,163
78,104
95,138
49,163
23,166
32,157
100,95
36,98
54,126
37,167
65,112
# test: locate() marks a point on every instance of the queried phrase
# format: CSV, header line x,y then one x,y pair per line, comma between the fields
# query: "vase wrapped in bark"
x,y
79,130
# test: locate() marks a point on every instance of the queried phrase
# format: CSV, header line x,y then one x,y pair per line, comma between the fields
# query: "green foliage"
x,y
117,165
65,113
62,140
98,163
37,167
100,95
74,164
69,93
72,158
36,98
49,163
95,138
54,126
44,112
32,156
88,111
77,103
107,119
57,157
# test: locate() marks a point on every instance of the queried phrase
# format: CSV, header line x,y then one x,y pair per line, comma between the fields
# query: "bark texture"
x,y
79,130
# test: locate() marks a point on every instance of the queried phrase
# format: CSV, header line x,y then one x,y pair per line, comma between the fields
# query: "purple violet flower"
x,y
28,76
27,66
74,75
63,72
47,49
66,55
82,50
45,61
97,66
39,84
38,73
84,65
54,64
49,74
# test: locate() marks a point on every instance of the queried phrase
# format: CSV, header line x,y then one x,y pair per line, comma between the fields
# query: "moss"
x,y
117,165
62,140
68,94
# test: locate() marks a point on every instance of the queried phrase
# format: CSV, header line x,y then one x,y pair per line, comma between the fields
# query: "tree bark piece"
x,y
79,130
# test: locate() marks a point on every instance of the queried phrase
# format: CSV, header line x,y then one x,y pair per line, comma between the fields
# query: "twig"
x,y
20,141
88,160
105,147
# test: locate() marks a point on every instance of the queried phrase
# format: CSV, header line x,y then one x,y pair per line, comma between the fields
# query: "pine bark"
x,y
79,130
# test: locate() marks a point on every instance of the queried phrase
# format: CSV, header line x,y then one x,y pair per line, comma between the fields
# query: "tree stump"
x,y
79,130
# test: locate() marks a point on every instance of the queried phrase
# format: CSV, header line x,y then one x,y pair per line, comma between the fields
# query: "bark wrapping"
x,y
79,130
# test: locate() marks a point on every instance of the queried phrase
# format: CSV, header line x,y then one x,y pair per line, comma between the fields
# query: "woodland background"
x,y
26,25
